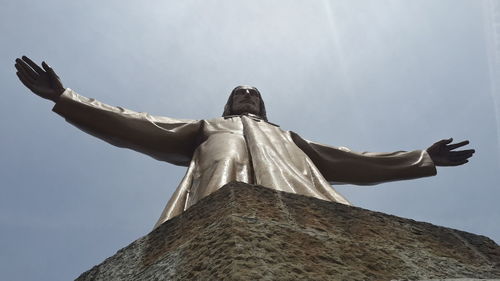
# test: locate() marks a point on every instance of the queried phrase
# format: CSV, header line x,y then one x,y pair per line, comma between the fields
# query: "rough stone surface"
x,y
461,279
246,232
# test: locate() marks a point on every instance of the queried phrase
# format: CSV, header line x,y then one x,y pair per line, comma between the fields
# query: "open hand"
x,y
42,81
442,154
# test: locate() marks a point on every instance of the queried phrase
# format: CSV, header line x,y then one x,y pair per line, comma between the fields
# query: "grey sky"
x,y
369,75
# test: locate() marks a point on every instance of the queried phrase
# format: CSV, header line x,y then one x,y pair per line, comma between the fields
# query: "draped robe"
x,y
238,148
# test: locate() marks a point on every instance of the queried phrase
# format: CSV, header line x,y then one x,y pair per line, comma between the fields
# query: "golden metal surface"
x,y
238,148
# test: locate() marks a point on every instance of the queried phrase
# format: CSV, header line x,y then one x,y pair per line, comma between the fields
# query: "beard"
x,y
242,108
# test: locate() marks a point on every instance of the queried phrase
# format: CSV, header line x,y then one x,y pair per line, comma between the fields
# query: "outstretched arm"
x,y
165,139
341,165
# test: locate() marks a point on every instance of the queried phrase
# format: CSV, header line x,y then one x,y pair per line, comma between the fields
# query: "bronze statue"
x,y
239,146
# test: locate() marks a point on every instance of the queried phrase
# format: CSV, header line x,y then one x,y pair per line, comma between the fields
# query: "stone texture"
x,y
461,279
246,232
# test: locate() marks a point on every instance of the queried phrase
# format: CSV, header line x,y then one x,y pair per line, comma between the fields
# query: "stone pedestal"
x,y
246,232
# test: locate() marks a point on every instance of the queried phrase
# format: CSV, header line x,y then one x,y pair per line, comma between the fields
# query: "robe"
x,y
238,148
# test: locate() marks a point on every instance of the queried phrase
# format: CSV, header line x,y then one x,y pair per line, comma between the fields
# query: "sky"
x,y
376,76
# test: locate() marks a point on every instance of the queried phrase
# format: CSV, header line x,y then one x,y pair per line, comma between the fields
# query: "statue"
x,y
242,145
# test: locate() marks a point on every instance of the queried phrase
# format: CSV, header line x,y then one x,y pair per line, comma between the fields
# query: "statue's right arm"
x,y
162,138
341,165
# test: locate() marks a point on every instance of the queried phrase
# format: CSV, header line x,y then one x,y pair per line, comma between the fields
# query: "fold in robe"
x,y
238,148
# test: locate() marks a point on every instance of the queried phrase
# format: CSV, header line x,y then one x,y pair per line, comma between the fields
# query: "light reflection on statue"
x,y
240,146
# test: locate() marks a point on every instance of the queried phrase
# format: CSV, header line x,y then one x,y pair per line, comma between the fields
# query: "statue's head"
x,y
245,99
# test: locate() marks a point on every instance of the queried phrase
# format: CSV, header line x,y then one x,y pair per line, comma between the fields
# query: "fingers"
x,y
45,66
456,162
459,163
23,67
444,141
26,77
459,157
49,70
24,80
457,145
32,64
463,152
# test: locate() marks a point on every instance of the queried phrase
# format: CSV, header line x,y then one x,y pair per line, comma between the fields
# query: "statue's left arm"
x,y
339,164
163,138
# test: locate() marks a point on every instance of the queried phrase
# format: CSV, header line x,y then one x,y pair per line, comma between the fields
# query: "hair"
x,y
228,108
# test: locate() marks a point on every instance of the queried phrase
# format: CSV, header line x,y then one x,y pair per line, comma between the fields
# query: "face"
x,y
246,100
